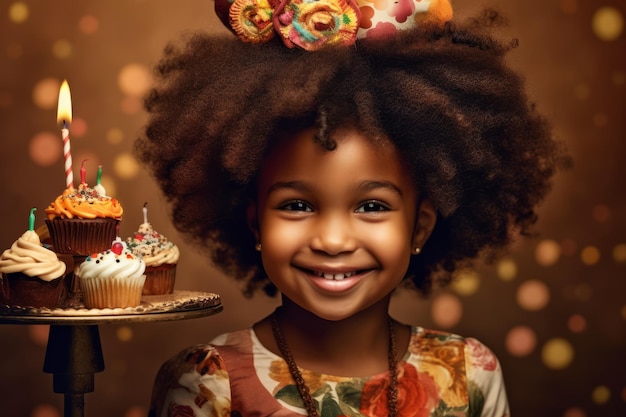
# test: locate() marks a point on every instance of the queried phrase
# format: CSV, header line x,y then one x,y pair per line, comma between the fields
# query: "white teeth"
x,y
337,277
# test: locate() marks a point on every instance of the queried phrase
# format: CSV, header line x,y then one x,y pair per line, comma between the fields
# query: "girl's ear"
x,y
424,224
253,221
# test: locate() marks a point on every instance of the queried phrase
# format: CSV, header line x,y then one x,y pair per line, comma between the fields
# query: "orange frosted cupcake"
x,y
160,256
32,276
83,221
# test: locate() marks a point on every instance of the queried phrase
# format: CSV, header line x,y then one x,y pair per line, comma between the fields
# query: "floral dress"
x,y
441,375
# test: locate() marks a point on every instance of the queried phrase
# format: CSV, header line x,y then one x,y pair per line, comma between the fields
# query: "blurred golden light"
x,y
547,252
557,353
507,269
115,136
45,148
590,255
581,91
574,412
46,93
88,24
619,253
134,80
607,23
62,49
446,310
125,166
45,410
601,394
466,283
38,333
520,341
18,12
533,295
124,333
109,185
577,323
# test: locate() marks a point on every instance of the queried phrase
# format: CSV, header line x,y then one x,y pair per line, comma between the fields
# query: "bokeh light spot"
x,y
46,93
125,166
62,49
601,394
607,23
507,269
619,253
590,255
88,24
581,91
38,334
45,410
18,12
115,136
557,353
520,341
134,80
124,333
577,323
446,310
78,129
109,185
45,148
574,412
466,283
136,411
533,295
547,252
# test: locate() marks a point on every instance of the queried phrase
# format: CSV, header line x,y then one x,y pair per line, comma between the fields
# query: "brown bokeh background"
x,y
566,291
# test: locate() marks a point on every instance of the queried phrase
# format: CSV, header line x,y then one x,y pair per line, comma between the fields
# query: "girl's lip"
x,y
340,281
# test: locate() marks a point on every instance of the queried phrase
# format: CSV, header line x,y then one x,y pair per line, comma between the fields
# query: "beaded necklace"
x,y
309,403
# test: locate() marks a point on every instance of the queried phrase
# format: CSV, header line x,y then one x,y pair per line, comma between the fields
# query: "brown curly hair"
x,y
477,147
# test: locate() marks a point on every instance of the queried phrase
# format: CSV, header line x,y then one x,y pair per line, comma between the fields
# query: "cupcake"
x,y
113,278
32,276
160,256
83,221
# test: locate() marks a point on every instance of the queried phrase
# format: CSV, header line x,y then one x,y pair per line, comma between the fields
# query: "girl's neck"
x,y
355,346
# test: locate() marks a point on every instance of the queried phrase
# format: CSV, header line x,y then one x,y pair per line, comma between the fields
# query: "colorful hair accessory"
x,y
314,24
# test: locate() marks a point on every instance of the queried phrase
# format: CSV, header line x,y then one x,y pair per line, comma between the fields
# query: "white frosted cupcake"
x,y
113,278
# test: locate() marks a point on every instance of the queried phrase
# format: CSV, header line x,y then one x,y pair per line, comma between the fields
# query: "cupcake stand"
x,y
74,353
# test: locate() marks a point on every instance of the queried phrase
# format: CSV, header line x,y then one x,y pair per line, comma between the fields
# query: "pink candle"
x,y
83,172
64,117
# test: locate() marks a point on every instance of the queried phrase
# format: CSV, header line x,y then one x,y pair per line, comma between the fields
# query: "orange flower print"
x,y
417,395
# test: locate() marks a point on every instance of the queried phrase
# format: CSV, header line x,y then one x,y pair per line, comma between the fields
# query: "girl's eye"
x,y
372,206
296,205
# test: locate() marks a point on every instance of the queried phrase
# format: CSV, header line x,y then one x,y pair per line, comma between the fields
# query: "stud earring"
x,y
416,251
258,247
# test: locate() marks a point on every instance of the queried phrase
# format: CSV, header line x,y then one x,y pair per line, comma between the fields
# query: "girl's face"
x,y
337,228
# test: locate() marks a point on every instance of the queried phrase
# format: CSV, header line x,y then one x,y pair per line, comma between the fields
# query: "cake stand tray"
x,y
74,351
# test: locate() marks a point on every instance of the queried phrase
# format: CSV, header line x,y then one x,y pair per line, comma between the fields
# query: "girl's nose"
x,y
333,235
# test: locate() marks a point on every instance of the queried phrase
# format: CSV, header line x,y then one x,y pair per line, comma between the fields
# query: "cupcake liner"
x,y
112,292
82,236
19,289
159,279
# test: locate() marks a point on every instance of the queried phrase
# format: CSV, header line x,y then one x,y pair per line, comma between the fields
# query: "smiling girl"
x,y
332,177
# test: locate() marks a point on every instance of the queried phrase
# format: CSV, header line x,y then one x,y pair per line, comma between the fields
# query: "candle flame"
x,y
64,110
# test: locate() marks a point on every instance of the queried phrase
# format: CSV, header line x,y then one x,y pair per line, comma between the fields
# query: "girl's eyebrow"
x,y
363,186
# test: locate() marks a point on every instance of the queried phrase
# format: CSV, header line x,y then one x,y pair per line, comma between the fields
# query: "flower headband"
x,y
313,24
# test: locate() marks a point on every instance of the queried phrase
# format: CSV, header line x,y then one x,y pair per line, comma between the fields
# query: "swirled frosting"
x,y
29,257
154,248
110,264
84,203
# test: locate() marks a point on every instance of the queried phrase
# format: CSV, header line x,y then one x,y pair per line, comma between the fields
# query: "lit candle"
x,y
83,172
64,117
145,212
31,219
